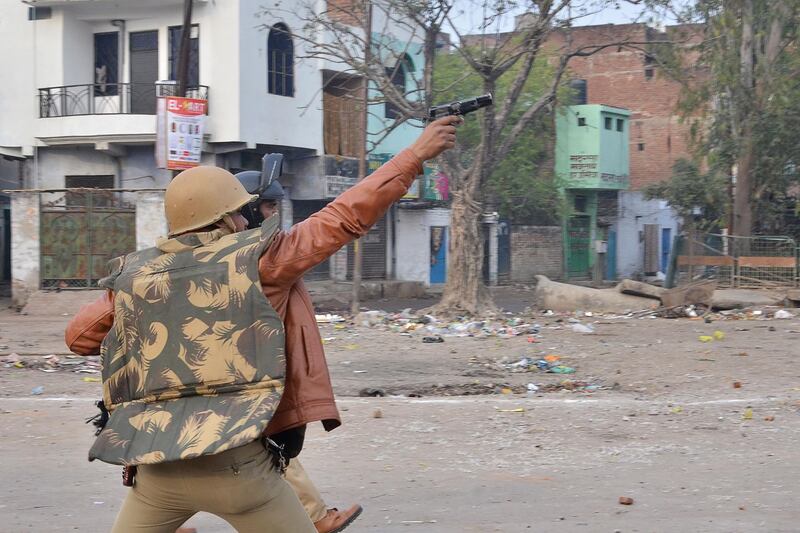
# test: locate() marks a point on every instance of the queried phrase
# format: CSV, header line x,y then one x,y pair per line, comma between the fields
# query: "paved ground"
x,y
666,427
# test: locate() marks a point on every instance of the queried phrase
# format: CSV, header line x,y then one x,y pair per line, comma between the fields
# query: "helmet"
x,y
251,180
200,196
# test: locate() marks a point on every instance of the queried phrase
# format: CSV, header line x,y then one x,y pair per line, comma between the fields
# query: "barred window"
x,y
280,61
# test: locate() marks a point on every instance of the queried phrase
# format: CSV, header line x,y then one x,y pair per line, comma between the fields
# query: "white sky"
x,y
468,15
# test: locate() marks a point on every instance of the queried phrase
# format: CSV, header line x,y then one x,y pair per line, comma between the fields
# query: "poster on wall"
x,y
180,126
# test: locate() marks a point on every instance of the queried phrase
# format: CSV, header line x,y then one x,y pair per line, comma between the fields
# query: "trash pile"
x,y
549,364
54,363
406,322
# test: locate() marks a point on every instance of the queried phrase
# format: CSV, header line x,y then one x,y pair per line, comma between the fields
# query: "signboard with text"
x,y
179,139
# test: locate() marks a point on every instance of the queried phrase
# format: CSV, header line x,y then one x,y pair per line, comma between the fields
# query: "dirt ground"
x,y
651,413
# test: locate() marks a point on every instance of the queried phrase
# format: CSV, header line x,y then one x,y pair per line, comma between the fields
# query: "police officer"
x,y
326,519
193,361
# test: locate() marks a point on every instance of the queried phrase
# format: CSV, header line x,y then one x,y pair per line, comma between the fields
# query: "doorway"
x,y
578,240
666,247
438,243
144,72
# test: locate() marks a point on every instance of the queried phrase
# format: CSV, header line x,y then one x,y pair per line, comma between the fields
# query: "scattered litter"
x,y
677,410
551,358
561,369
769,418
718,335
532,387
36,391
582,328
432,340
90,380
748,414
370,319
517,410
705,338
506,390
11,359
377,413
359,371
624,500
737,384
328,319
782,314
410,522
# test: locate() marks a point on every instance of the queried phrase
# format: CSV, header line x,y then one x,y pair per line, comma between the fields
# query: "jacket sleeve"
x,y
350,216
87,329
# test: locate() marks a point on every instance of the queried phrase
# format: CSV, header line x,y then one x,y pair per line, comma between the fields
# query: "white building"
x,y
77,109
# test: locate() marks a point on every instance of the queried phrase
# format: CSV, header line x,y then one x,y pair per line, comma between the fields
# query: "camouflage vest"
x,y
194,363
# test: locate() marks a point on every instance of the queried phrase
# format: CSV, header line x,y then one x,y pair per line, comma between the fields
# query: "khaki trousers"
x,y
309,495
240,486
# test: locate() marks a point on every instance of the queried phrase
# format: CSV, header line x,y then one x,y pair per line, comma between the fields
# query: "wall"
x,y
392,47
24,246
150,220
267,118
536,250
18,103
413,242
634,213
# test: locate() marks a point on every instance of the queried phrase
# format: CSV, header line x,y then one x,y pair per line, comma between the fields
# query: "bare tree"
x,y
334,34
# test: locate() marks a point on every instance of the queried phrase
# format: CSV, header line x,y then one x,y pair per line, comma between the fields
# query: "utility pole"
x,y
183,51
358,256
182,72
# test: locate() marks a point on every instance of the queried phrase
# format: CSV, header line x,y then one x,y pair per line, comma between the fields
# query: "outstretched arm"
x,y
354,212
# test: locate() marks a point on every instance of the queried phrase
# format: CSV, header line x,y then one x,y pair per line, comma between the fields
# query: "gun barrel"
x,y
460,107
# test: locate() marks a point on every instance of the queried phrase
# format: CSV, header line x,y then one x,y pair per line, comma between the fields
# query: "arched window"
x,y
399,77
280,61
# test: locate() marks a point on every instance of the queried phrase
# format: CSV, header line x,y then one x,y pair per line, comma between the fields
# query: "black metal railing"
x,y
109,98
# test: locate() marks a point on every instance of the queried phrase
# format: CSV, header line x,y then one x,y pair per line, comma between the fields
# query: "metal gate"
x,y
80,231
760,262
374,253
579,235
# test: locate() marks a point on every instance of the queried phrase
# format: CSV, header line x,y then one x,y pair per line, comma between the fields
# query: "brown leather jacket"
x,y
308,396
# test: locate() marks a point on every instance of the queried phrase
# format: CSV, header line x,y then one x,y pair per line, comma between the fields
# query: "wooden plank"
x,y
768,262
705,260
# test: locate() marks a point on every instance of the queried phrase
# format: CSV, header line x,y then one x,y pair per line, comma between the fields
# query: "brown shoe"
x,y
336,520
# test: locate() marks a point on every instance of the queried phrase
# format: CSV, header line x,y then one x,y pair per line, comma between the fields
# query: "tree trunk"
x,y
464,292
743,193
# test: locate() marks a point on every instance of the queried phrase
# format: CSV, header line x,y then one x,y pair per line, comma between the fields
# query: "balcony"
x,y
119,113
108,99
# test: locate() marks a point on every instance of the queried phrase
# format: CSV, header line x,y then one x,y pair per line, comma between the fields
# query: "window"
x,y
580,204
193,71
641,147
280,61
620,125
40,13
106,63
609,122
398,76
649,73
581,121
578,88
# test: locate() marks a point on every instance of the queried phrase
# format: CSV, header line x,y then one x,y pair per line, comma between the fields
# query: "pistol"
x,y
459,107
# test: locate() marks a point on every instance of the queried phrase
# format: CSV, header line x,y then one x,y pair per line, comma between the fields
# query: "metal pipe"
x,y
358,256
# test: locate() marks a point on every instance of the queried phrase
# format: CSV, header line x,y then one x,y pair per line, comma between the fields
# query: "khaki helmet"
x,y
200,196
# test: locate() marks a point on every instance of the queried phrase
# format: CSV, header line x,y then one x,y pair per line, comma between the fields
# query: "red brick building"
x,y
626,76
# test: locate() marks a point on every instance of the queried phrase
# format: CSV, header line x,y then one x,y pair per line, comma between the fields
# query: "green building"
x,y
592,165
